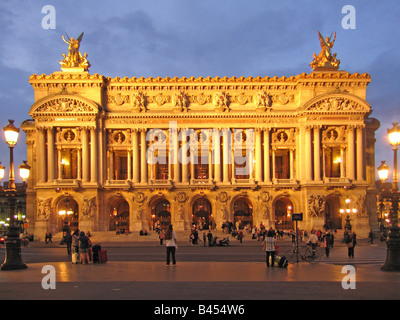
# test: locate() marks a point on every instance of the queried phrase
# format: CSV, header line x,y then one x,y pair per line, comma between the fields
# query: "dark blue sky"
x,y
200,38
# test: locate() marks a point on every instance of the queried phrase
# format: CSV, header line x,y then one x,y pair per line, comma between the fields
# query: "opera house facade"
x,y
110,153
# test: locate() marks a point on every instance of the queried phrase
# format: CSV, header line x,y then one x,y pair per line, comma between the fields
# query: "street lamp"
x,y
383,173
393,243
348,211
13,259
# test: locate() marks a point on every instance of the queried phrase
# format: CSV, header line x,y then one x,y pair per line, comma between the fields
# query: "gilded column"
x,y
258,156
93,155
360,153
184,160
351,155
267,164
217,155
317,158
135,157
143,162
291,159
79,167
307,151
41,158
225,156
342,166
50,155
177,173
85,155
129,160
59,165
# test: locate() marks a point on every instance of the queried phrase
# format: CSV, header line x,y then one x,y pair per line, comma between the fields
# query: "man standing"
x,y
171,244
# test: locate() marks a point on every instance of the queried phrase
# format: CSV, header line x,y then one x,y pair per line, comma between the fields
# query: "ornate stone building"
x,y
128,152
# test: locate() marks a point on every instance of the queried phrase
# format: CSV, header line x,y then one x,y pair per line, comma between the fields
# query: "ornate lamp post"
x,y
393,243
348,211
383,173
13,258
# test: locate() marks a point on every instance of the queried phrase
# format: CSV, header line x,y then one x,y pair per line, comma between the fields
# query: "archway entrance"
x,y
243,213
333,218
283,211
68,213
161,214
119,215
201,214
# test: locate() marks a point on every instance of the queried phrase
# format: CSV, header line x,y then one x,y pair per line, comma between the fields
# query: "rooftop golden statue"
x,y
75,61
325,59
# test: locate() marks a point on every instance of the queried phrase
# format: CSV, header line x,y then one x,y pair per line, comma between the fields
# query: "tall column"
x,y
59,165
317,158
273,164
177,171
267,165
217,155
342,163
93,155
360,154
351,156
135,157
41,157
225,156
291,159
79,166
129,160
184,160
307,152
258,156
111,165
143,161
50,155
85,155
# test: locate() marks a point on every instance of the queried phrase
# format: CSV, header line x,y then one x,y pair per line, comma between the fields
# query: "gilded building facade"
x,y
127,152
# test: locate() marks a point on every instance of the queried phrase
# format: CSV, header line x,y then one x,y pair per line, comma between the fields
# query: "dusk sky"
x,y
149,38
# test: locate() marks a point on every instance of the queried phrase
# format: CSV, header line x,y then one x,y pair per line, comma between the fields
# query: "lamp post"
x,y
383,173
13,259
348,211
392,262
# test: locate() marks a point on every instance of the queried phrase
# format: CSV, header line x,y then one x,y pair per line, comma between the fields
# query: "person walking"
x,y
327,243
269,246
351,243
68,241
313,241
371,237
171,244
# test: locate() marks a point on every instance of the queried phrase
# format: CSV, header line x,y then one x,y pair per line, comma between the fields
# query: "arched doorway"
x,y
201,214
333,218
243,213
68,214
119,215
283,211
161,214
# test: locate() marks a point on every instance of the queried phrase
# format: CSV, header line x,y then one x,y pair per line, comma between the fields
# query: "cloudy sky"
x,y
200,38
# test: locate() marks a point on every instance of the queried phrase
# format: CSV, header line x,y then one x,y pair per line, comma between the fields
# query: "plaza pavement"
x,y
116,280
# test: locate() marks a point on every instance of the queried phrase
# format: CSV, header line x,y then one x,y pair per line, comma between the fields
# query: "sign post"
x,y
297,217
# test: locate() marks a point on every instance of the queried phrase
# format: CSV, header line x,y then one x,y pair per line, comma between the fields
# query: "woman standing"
x,y
269,247
75,247
171,244
84,248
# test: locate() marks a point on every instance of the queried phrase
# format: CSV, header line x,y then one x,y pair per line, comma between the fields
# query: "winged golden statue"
x,y
74,59
325,58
